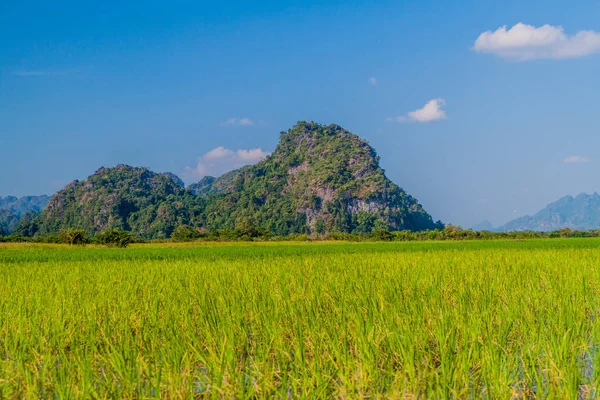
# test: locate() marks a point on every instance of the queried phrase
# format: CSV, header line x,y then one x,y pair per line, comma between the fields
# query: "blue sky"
x,y
199,87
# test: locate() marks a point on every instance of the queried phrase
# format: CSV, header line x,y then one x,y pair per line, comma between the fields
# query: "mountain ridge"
x,y
580,212
12,208
319,179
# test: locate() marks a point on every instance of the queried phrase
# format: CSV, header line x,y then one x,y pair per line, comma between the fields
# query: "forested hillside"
x,y
319,179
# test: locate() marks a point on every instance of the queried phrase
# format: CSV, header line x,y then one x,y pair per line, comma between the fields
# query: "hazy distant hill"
x,y
21,205
319,179
581,212
483,226
13,208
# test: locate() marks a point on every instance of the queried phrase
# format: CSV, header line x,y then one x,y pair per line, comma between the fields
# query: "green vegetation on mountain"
x,y
320,179
128,198
8,222
176,180
209,185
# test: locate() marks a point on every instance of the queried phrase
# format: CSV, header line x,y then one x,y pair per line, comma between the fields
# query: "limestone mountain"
x,y
319,179
581,212
149,204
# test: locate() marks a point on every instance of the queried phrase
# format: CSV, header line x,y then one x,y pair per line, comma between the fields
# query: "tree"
x,y
565,232
185,233
247,227
28,226
382,235
74,236
320,227
115,238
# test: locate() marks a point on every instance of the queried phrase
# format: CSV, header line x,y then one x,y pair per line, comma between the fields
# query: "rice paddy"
x,y
491,319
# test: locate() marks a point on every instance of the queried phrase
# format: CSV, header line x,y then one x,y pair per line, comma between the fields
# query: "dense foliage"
x,y
8,222
148,204
114,238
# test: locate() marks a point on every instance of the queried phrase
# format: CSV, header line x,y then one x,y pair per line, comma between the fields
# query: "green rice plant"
x,y
494,319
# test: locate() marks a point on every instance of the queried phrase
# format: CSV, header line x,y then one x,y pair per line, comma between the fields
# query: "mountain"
x,y
581,213
176,180
319,179
149,204
8,222
483,226
20,206
203,187
211,185
13,208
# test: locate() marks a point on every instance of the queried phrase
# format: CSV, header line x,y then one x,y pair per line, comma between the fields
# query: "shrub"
x,y
14,238
74,236
185,233
299,237
382,235
115,238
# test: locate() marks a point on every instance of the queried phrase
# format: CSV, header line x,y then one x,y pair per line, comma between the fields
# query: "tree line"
x,y
249,232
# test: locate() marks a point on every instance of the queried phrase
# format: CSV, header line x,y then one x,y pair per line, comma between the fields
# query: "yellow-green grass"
x,y
493,319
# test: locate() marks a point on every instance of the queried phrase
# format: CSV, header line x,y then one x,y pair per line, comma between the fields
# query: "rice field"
x,y
493,319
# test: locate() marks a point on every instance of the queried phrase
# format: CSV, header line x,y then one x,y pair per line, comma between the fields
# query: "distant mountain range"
x,y
581,213
13,208
319,179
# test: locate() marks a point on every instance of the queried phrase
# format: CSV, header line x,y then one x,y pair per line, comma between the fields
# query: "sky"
x,y
479,109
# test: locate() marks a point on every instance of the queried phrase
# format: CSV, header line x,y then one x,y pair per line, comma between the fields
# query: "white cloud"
x,y
576,160
525,42
220,160
238,122
432,111
373,80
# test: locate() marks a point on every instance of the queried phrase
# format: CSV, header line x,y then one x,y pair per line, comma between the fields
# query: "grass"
x,y
493,319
